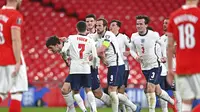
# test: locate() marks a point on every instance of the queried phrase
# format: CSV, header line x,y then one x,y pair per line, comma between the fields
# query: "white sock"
x,y
106,99
179,100
17,97
79,101
151,98
69,101
126,101
114,101
91,100
3,97
163,105
166,97
122,107
186,108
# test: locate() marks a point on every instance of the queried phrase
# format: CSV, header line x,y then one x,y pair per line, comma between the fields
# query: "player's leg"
x,y
113,82
96,88
75,86
68,95
19,85
163,103
152,76
87,83
122,97
3,83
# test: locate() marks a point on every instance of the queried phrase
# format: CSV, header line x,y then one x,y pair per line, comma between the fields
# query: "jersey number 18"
x,y
186,36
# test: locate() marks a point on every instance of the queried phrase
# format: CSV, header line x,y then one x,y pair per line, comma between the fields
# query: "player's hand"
x,y
90,58
163,59
16,71
126,53
138,59
170,76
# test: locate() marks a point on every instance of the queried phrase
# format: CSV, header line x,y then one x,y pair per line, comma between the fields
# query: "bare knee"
x,y
121,89
150,88
112,89
158,90
98,93
66,88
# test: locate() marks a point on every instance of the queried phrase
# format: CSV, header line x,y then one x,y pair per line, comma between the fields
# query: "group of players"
x,y
93,43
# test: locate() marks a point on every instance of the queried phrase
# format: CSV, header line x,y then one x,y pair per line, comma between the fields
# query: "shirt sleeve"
x,y
107,40
127,41
17,21
66,46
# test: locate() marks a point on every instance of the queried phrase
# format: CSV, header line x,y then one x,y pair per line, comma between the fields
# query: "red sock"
x,y
15,106
196,109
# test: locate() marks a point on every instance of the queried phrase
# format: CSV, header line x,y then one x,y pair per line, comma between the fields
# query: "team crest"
x,y
142,41
19,21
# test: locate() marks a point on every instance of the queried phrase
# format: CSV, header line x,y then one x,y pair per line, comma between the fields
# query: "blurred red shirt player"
x,y
13,76
184,29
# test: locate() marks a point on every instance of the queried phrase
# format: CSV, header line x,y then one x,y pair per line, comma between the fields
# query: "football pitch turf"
x,y
44,109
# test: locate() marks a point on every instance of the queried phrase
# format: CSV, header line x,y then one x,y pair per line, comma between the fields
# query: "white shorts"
x,y
13,84
188,86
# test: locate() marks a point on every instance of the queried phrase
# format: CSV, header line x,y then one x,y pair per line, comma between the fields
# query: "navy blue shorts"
x,y
165,85
125,77
153,75
95,78
115,75
79,80
68,79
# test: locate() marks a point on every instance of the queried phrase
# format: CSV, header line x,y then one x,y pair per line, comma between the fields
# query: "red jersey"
x,y
184,24
9,18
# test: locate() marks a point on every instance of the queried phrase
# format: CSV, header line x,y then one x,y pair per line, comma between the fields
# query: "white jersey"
x,y
112,53
98,43
124,42
145,47
80,48
165,39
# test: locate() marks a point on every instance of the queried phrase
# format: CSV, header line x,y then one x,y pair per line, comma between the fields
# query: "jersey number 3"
x,y
186,36
82,48
2,40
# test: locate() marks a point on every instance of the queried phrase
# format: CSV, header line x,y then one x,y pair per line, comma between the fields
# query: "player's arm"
x,y
127,42
16,41
162,45
170,51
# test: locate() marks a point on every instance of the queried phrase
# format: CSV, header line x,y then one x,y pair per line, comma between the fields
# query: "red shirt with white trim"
x,y
184,24
9,18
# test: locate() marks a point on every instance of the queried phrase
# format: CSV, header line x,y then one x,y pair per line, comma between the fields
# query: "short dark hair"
x,y
91,16
146,18
105,22
118,22
53,40
81,26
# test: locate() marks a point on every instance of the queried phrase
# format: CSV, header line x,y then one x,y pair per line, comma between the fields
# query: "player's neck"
x,y
12,4
82,33
92,30
116,33
143,33
191,3
102,34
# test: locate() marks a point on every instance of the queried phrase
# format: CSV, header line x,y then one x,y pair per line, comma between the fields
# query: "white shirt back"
x,y
80,47
145,47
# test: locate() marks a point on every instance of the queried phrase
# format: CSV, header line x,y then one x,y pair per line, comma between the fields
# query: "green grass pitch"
x,y
44,109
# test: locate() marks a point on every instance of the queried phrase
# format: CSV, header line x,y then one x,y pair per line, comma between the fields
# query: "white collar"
x,y
7,7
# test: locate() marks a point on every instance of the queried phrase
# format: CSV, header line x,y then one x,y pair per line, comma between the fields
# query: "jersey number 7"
x,y
82,48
